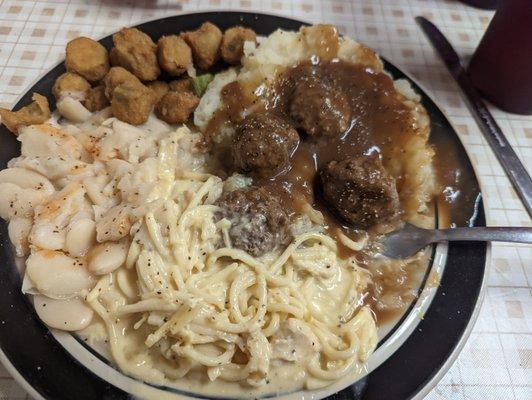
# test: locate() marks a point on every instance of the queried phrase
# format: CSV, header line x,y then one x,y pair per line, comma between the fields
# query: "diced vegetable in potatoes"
x,y
199,83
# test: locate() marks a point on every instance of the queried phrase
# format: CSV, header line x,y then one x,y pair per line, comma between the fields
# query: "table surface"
x,y
496,362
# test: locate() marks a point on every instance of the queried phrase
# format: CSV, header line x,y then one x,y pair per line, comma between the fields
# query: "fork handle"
x,y
487,234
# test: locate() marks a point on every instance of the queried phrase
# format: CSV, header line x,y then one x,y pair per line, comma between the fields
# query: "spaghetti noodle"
x,y
223,311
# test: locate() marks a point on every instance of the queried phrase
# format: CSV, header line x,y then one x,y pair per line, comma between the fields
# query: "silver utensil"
x,y
515,170
410,239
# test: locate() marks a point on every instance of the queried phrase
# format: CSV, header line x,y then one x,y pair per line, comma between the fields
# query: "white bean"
x,y
114,225
52,218
26,179
94,185
18,230
48,141
106,257
16,201
45,235
57,275
68,315
72,109
80,237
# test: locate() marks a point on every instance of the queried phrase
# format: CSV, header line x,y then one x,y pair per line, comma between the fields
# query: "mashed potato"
x,y
411,163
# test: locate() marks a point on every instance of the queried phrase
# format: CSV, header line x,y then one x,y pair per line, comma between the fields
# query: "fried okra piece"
x,y
87,58
136,52
159,89
115,77
173,54
180,85
176,107
132,102
37,112
95,100
70,84
205,44
233,43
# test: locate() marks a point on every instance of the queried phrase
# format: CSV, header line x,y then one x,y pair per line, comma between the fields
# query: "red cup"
x,y
501,67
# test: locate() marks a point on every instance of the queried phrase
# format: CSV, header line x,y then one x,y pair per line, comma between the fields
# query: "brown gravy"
x,y
458,191
380,122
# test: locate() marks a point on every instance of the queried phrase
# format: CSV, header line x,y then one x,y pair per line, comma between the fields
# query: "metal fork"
x,y
410,239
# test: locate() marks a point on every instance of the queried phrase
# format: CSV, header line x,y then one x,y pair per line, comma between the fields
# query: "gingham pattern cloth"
x,y
496,362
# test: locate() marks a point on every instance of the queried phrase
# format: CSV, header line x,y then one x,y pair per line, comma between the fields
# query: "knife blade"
x,y
495,137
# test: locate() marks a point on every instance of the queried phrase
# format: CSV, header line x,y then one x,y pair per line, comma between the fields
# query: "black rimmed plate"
x,y
411,358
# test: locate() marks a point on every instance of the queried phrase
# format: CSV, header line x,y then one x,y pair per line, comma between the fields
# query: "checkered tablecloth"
x,y
496,362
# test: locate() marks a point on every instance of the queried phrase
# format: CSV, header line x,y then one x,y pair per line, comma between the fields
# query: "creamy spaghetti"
x,y
218,309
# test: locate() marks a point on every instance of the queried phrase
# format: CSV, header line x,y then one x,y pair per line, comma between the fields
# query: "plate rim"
x,y
458,346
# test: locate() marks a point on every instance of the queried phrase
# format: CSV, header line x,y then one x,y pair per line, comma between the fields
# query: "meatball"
x,y
136,52
176,107
71,84
132,103
319,110
115,77
233,43
360,191
259,222
36,112
180,85
159,89
173,54
263,144
205,44
95,100
87,58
